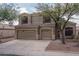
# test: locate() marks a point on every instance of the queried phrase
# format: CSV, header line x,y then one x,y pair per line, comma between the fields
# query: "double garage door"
x,y
26,34
46,34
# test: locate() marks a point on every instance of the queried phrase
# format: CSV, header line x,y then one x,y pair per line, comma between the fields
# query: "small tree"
x,y
60,13
8,12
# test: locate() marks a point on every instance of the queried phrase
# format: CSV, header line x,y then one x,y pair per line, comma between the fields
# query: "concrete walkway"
x,y
30,48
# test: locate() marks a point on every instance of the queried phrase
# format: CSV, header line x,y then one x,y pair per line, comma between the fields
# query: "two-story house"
x,y
35,26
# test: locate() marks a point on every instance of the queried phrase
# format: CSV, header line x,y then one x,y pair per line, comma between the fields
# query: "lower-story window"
x,y
68,31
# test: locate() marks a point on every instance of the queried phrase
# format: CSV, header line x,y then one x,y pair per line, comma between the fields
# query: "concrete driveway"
x,y
30,48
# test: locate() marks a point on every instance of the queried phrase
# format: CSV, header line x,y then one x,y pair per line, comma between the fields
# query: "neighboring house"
x,y
35,26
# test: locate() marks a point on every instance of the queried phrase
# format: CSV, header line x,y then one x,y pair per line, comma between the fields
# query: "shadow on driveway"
x,y
9,55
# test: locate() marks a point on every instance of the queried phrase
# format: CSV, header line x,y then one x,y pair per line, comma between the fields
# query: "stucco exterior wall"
x,y
46,29
38,20
34,32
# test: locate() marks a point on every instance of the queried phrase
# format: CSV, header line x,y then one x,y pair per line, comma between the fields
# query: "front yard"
x,y
58,46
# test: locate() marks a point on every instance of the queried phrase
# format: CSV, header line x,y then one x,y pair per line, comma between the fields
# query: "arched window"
x,y
68,31
24,19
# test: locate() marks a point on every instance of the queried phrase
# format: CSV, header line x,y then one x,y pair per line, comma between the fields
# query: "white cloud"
x,y
22,10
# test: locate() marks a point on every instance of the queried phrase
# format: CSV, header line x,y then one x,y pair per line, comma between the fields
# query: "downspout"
x,y
31,18
38,33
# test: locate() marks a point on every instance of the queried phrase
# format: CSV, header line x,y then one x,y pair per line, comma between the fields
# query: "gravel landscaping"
x,y
58,46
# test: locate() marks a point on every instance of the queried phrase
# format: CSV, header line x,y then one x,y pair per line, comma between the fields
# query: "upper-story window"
x,y
24,20
46,19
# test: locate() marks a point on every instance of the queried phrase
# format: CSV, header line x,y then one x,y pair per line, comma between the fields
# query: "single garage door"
x,y
27,34
46,34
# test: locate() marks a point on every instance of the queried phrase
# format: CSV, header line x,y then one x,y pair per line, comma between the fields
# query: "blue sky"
x,y
27,7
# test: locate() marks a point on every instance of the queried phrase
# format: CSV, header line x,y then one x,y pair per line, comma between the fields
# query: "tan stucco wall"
x,y
38,20
45,32
34,19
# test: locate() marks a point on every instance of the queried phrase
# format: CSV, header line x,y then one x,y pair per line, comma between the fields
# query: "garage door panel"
x,y
27,34
20,36
30,34
46,34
